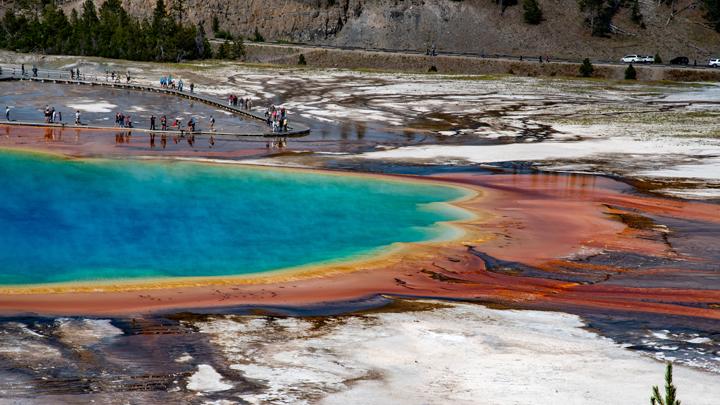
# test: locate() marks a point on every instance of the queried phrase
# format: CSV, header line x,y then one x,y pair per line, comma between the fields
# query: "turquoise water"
x,y
101,220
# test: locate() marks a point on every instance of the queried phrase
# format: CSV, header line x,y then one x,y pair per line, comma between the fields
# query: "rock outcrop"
x,y
459,26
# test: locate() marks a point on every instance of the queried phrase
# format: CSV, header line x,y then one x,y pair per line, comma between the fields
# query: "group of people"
x,y
51,116
122,121
276,119
244,103
75,74
168,83
115,76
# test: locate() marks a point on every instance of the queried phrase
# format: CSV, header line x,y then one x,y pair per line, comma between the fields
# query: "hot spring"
x,y
95,221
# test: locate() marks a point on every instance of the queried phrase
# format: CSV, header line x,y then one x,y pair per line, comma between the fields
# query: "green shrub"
x,y
301,60
223,34
432,69
630,73
586,69
658,59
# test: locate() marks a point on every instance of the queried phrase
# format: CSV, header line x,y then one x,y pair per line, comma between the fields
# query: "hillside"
x,y
465,26
459,26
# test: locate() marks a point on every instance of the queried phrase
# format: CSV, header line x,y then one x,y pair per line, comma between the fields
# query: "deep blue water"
x,y
71,220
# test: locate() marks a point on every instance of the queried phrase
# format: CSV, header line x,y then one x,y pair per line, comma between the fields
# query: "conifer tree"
x,y
670,390
711,10
630,73
586,69
533,12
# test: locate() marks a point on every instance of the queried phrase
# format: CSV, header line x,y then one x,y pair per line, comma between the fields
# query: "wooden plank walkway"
x,y
294,130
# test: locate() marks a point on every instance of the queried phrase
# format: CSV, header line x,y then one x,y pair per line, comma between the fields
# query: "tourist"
x,y
482,54
59,118
212,124
152,122
163,123
22,70
47,114
77,72
77,118
127,74
230,102
7,113
117,119
192,88
180,85
267,111
52,115
521,58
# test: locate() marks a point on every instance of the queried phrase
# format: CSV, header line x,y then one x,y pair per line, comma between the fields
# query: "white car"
x,y
714,63
648,59
632,59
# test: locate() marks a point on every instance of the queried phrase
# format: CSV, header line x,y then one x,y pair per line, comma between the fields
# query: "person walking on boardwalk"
x,y
152,122
7,113
192,88
212,124
77,72
127,74
77,118
163,123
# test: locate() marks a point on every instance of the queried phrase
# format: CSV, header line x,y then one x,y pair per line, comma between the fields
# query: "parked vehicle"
x,y
680,60
714,62
648,59
631,59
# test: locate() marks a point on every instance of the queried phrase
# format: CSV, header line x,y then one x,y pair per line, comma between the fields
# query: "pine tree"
x,y
215,23
533,12
712,13
657,58
586,69
670,390
238,48
630,73
258,37
223,50
635,15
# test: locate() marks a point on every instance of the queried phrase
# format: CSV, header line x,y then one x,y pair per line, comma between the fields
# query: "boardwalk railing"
x,y
58,76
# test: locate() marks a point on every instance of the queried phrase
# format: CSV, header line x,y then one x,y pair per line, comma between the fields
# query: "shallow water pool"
x,y
98,220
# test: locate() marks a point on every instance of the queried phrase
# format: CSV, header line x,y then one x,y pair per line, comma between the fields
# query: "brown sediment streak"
x,y
549,232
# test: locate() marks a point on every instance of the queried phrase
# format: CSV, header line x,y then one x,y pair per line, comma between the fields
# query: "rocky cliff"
x,y
465,26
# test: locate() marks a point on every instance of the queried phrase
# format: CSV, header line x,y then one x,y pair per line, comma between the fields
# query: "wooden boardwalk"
x,y
294,130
